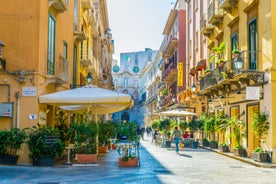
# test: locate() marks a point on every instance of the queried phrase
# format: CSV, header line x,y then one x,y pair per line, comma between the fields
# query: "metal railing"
x,y
243,62
58,67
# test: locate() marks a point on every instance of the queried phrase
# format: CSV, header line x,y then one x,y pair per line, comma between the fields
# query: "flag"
x,y
128,59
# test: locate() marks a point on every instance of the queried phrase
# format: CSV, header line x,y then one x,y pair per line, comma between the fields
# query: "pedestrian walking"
x,y
176,136
143,130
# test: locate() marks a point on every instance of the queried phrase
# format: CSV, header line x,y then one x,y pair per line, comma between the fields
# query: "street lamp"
x,y
193,87
89,78
2,45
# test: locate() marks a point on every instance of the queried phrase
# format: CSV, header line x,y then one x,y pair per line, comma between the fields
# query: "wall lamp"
x,y
89,78
2,60
193,87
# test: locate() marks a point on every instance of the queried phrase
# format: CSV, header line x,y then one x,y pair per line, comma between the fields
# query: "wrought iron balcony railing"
x,y
58,70
242,65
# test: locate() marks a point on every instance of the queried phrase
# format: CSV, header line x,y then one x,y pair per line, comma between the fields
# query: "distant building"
x,y
126,79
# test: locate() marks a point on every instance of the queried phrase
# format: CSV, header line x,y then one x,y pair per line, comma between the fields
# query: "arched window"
x,y
136,84
115,82
125,82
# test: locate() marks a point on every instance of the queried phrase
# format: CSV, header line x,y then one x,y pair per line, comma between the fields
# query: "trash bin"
x,y
195,144
167,144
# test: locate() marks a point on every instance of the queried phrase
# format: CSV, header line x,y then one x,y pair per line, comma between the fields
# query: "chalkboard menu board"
x,y
49,140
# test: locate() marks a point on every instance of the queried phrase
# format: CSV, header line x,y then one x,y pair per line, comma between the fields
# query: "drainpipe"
x,y
17,95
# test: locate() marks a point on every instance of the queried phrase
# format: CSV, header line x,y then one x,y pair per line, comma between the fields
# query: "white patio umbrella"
x,y
177,112
98,100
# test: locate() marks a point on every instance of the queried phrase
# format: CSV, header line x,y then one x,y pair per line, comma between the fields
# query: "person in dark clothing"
x,y
154,136
143,132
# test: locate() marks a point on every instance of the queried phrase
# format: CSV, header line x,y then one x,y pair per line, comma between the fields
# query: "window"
x,y
189,11
252,31
136,84
51,45
125,82
76,13
115,83
196,40
75,65
234,41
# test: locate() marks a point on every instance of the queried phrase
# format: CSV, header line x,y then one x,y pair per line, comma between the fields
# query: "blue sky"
x,y
137,24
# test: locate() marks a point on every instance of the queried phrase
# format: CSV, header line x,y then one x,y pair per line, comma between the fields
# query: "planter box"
x,y
131,162
240,152
47,162
87,158
223,148
103,149
9,159
213,145
205,144
260,157
167,144
114,146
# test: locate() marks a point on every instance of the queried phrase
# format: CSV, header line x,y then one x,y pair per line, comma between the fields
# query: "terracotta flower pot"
x,y
87,158
114,146
131,162
103,149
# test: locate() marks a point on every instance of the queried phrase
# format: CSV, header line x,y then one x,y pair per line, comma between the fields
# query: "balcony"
x,y
86,4
170,72
170,46
227,5
60,72
59,5
215,14
85,63
205,28
242,67
80,36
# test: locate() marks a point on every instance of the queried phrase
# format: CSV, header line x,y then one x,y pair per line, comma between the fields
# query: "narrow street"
x,y
158,165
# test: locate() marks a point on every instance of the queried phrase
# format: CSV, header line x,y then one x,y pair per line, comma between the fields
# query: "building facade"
x,y
127,79
173,50
53,46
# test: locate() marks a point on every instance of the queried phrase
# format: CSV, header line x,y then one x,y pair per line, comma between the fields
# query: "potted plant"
x,y
10,142
237,127
128,148
195,125
45,145
83,134
207,71
223,147
260,127
164,127
218,53
214,144
205,142
106,130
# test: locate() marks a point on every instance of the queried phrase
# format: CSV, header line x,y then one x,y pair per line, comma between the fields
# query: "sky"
x,y
137,24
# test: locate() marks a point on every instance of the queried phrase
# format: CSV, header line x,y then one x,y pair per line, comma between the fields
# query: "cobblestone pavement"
x,y
157,166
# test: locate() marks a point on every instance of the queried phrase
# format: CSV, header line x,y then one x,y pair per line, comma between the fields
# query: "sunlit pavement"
x,y
157,165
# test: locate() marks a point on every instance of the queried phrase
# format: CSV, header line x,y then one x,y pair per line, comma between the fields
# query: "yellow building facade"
x,y
244,83
50,45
